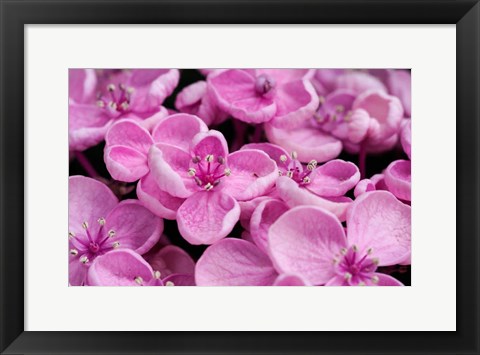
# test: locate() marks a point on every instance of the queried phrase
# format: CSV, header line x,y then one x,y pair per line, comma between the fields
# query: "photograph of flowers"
x,y
239,177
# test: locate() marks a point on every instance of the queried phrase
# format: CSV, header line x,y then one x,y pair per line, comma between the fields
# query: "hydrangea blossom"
x,y
285,97
98,223
310,184
96,100
310,242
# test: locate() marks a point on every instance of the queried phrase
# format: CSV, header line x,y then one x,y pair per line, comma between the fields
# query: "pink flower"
x,y
97,99
324,80
98,223
284,97
310,242
323,185
196,166
126,156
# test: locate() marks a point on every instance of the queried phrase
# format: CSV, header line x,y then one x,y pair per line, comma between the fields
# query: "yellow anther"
x,y
138,280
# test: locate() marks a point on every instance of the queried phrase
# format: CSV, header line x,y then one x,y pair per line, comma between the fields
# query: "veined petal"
x,y
209,143
309,143
169,167
234,262
263,217
151,87
379,221
171,260
305,241
293,195
253,173
296,102
135,226
121,267
125,163
234,92
128,133
334,178
88,200
398,178
207,216
178,130
159,202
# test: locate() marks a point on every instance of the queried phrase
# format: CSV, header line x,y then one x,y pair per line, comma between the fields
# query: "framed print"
x,y
247,145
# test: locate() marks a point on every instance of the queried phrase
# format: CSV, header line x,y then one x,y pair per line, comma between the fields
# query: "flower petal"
x,y
387,280
296,102
211,142
81,85
334,178
289,280
121,267
264,215
207,216
171,260
293,195
234,262
157,201
87,125
169,167
88,200
398,178
135,226
178,130
358,82
77,272
273,151
253,174
151,87
180,280
406,138
309,143
304,241
378,220
130,134
399,82
234,92
125,163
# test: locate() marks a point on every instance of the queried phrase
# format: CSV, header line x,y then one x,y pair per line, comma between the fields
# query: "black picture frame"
x,y
15,14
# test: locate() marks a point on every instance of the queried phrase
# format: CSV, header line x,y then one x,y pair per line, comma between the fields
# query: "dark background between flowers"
x,y
375,164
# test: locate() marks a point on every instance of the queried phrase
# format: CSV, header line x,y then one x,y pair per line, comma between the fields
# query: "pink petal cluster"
x,y
248,177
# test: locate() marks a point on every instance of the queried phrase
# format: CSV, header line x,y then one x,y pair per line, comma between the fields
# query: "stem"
x,y
240,129
257,134
86,165
362,160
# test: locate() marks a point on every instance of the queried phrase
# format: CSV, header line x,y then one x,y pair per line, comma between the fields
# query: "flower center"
x,y
117,100
89,244
295,170
356,267
264,84
208,172
332,113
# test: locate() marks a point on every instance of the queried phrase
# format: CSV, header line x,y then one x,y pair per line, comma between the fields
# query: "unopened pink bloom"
x,y
98,223
310,242
310,184
97,99
283,96
197,167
